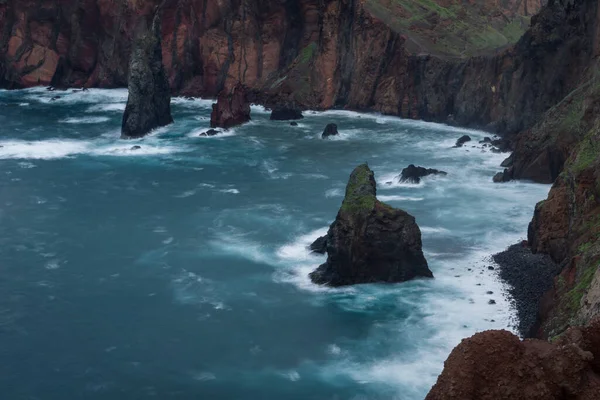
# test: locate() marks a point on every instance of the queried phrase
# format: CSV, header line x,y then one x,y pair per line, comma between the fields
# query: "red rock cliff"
x,y
360,54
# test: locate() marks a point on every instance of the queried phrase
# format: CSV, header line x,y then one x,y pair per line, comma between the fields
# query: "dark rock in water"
x,y
504,176
293,123
501,145
491,268
508,162
319,245
285,114
414,174
149,102
492,302
529,276
136,148
330,130
486,139
50,89
489,292
231,109
55,98
369,241
462,140
210,132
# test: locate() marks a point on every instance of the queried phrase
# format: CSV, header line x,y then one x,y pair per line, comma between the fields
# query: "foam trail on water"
x,y
85,120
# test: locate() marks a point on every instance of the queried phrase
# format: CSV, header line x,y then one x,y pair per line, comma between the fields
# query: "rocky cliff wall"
x,y
316,53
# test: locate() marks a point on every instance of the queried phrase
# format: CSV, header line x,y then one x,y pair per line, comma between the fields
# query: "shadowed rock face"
x,y
149,102
370,241
231,109
496,365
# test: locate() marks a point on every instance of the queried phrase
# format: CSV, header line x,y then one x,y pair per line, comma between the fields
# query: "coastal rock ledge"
x,y
369,241
496,365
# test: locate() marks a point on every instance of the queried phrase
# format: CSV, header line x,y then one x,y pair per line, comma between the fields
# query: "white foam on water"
x,y
85,120
430,230
196,102
335,192
111,107
232,191
61,148
42,149
399,198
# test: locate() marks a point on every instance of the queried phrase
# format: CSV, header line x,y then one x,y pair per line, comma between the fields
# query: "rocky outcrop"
x,y
462,140
285,114
149,102
496,365
330,130
370,241
414,174
231,109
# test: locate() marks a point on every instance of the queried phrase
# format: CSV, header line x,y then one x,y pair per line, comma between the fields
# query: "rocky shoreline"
x,y
528,276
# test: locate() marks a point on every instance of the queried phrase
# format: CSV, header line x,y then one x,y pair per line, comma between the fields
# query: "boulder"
x,y
370,241
414,174
462,140
210,132
149,101
330,130
231,109
135,148
285,114
496,365
293,123
503,176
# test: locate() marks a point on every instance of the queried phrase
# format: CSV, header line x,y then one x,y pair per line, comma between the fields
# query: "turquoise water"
x,y
179,270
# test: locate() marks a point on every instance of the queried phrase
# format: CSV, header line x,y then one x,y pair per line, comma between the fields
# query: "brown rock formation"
x,y
369,241
231,109
496,365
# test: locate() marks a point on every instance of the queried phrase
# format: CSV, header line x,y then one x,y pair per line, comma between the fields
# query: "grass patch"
x,y
575,295
588,152
307,53
359,196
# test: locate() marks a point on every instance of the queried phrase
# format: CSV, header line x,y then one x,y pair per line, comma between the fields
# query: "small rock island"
x,y
369,241
149,102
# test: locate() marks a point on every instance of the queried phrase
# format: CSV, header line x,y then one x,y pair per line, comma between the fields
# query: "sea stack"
x,y
149,102
231,109
370,241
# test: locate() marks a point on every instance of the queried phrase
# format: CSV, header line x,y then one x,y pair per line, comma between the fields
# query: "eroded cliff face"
x,y
314,53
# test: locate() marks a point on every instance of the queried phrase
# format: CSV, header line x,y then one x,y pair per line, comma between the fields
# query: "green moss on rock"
x,y
360,191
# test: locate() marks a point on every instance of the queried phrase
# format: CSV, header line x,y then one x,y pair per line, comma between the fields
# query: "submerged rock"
x,y
462,140
370,241
293,123
330,130
414,174
231,109
136,148
149,102
285,114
